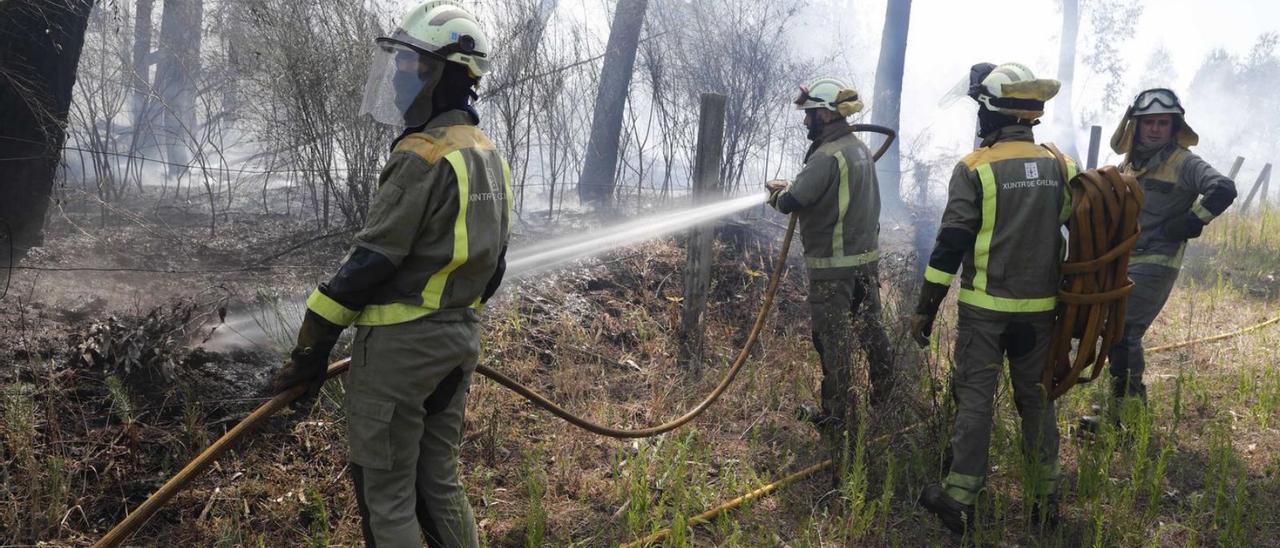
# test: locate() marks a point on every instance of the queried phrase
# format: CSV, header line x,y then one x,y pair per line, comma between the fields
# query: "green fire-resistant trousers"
x,y
1152,284
406,394
839,311
984,338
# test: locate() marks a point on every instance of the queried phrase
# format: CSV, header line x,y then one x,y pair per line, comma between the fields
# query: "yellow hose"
x,y
1214,338
762,492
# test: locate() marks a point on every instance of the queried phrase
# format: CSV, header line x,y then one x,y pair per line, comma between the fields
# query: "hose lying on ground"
x,y
789,479
189,472
1102,229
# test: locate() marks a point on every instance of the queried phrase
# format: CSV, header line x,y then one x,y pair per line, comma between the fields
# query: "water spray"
x,y
539,257
552,253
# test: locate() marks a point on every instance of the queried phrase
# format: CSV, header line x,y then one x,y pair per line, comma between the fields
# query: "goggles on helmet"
x,y
1157,97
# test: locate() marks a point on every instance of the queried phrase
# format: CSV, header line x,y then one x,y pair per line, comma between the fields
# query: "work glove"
x,y
931,296
776,187
309,360
1183,227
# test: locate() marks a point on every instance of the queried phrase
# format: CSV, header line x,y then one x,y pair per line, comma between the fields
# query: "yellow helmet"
x,y
1012,89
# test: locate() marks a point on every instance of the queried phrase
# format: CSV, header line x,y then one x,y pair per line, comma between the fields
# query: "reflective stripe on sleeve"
x,y
937,276
330,309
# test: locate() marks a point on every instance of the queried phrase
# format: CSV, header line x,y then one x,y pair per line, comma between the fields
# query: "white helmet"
x,y
829,93
409,64
1013,90
1147,103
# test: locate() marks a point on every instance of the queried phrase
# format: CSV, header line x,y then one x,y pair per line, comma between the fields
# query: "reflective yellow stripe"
x,y
1066,193
1172,261
837,236
963,487
937,276
981,299
982,247
330,309
391,314
1202,213
1045,479
842,262
434,291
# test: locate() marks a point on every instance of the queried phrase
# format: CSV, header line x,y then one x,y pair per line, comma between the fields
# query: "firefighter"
x,y
836,199
431,253
1154,137
1006,204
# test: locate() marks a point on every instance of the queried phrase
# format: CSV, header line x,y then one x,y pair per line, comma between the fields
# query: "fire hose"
x,y
1093,294
179,481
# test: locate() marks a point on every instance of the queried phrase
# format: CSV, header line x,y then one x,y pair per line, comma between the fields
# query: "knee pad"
x,y
443,394
1019,339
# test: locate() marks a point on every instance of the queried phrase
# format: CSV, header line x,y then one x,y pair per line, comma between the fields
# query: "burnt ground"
x,y
108,393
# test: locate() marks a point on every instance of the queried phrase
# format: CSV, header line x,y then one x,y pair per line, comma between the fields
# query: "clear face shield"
x,y
401,80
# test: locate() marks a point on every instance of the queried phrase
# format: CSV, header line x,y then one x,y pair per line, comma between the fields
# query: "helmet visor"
x,y
401,79
1160,99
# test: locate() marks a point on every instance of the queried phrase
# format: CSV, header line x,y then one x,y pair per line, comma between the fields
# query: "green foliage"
x,y
315,514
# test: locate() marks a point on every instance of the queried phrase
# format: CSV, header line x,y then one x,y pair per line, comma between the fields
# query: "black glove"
x,y
309,360
931,296
1184,227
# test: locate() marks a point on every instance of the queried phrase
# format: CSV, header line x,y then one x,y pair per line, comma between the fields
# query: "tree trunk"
x,y
597,181
40,44
176,71
1066,74
886,103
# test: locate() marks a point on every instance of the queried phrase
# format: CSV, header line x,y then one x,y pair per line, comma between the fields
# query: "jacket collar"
x,y
1010,133
830,133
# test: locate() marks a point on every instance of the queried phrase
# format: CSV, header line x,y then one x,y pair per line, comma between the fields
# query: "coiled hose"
x,y
1102,230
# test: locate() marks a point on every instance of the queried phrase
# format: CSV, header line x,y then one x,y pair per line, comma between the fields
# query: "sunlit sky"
x,y
947,36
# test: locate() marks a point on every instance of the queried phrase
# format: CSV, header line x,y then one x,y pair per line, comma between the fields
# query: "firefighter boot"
x,y
956,516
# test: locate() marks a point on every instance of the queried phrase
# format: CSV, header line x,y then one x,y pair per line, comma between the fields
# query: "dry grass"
x,y
1200,468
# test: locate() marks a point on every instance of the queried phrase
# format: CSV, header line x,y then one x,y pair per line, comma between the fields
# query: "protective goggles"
x,y
1157,97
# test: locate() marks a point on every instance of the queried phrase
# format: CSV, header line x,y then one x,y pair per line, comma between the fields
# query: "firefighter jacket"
x,y
1005,208
836,199
1172,179
435,238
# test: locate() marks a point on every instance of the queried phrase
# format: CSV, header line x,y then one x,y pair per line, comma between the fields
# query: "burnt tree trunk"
x,y
1066,74
596,184
177,65
886,102
40,44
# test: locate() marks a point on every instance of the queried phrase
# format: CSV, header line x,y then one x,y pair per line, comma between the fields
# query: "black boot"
x,y
956,516
1044,512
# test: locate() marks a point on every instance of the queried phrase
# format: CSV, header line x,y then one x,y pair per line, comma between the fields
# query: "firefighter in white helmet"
x,y
1006,204
836,199
430,254
1182,194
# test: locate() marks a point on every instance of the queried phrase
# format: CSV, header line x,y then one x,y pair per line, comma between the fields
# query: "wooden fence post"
x,y
706,188
1095,140
1235,167
1264,177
